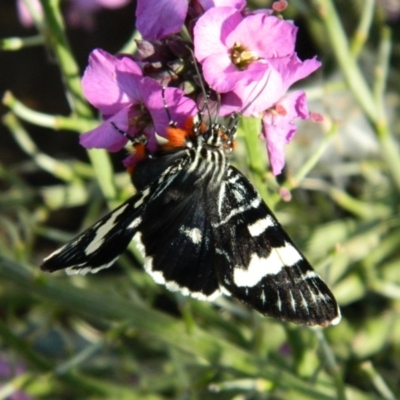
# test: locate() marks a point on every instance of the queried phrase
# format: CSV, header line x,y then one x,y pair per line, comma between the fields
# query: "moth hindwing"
x,y
204,230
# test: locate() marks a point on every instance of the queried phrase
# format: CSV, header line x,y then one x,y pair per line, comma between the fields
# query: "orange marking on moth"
x,y
224,137
139,154
176,138
189,126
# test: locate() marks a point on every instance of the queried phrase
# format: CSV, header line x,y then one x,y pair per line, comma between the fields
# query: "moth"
x,y
204,230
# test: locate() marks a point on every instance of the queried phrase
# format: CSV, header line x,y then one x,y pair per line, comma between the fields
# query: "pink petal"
x,y
156,19
296,104
106,136
179,107
278,128
111,3
293,69
211,30
256,96
110,83
268,36
23,13
275,137
238,4
220,73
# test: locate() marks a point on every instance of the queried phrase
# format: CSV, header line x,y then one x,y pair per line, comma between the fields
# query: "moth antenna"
x,y
232,125
234,118
218,107
255,97
171,122
134,140
201,83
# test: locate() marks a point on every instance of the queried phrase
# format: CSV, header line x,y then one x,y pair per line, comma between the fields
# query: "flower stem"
x,y
293,182
71,74
330,363
17,43
56,168
340,46
56,122
361,34
69,68
370,101
252,128
378,382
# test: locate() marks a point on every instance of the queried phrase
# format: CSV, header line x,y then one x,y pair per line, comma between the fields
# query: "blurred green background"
x,y
118,335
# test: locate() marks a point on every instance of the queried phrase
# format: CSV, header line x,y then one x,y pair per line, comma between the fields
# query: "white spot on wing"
x,y
159,278
221,197
279,302
260,226
258,267
310,274
193,234
54,253
174,287
156,275
263,297
102,231
314,297
253,274
336,320
292,301
253,204
76,269
135,223
145,193
225,291
304,303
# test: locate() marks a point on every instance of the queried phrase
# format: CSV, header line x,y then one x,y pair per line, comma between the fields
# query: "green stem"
x,y
371,102
381,75
47,163
130,47
294,181
251,129
55,122
346,61
361,34
330,363
18,43
80,381
390,150
71,74
204,346
380,385
69,68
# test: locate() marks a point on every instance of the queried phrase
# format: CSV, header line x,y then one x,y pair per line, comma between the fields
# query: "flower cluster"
x,y
247,62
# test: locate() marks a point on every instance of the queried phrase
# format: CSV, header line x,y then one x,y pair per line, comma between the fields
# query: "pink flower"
x,y
278,110
255,97
128,102
157,19
24,15
278,128
235,50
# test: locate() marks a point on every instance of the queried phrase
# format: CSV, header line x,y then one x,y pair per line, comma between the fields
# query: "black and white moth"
x,y
204,230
